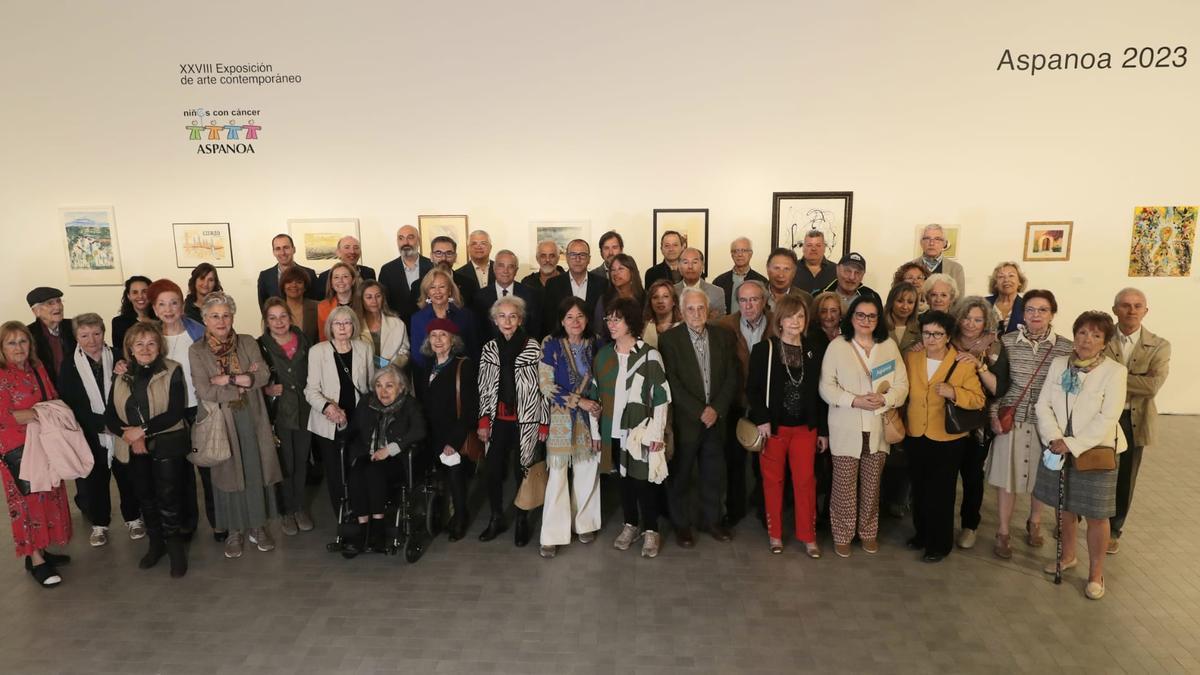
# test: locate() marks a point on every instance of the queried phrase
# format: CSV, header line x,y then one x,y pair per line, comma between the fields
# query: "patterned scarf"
x,y
1070,377
225,351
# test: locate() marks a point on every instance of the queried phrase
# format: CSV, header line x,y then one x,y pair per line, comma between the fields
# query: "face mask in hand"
x,y
1052,461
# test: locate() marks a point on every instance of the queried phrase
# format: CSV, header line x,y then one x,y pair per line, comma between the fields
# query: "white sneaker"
x,y
99,536
137,529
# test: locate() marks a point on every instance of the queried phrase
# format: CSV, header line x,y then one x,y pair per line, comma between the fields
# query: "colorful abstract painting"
x,y
1163,238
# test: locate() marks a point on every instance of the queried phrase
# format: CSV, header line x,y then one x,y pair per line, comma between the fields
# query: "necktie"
x,y
504,293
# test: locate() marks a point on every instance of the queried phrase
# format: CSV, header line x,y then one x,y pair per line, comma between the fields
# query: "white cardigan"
x,y
324,387
842,379
393,341
1095,410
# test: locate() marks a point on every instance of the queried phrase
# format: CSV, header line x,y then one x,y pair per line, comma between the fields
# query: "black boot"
x,y
177,551
458,527
157,550
355,542
521,531
377,540
494,528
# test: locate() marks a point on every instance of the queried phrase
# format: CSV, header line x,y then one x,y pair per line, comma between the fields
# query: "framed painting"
x,y
561,232
795,214
691,223
951,232
197,243
93,255
1162,242
432,226
316,239
1048,240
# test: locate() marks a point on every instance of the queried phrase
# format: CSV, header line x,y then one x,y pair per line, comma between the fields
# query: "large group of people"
x,y
665,384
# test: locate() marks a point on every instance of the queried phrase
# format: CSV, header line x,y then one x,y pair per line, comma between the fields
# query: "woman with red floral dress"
x,y
39,519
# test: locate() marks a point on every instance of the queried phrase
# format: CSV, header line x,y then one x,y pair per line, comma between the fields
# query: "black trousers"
x,y
331,459
456,478
639,494
1128,464
708,452
895,490
160,485
505,442
934,466
823,471
975,451
370,483
735,473
93,497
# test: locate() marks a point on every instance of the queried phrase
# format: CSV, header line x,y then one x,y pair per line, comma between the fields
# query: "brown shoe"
x,y
1114,546
843,550
871,546
1002,549
1033,534
719,532
684,537
812,549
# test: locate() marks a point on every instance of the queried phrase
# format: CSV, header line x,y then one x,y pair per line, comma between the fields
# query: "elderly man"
x,y
547,256
671,244
587,286
781,271
284,250
477,273
740,251
933,248
611,243
850,271
702,371
348,251
749,325
53,336
505,270
818,273
402,277
691,269
1148,358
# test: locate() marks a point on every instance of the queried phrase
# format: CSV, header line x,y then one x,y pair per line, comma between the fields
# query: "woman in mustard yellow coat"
x,y
935,377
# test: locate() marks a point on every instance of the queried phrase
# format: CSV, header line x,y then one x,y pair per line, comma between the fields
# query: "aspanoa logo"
x,y
219,132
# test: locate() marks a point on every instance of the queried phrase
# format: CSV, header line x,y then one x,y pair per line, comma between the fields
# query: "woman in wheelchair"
x,y
386,423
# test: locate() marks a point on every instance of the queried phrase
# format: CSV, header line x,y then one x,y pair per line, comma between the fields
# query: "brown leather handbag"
x,y
472,447
1099,458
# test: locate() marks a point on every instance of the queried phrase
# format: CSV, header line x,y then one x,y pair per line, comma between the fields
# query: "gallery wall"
x,y
535,111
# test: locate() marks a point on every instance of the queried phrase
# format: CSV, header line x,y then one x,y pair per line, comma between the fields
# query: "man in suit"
x,y
611,243
741,251
781,273
700,365
749,325
818,273
402,277
932,258
671,244
478,272
53,336
1148,358
577,281
284,250
505,268
850,271
348,251
691,270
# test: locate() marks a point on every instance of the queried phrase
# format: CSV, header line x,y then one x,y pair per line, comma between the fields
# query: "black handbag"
x,y
960,420
12,460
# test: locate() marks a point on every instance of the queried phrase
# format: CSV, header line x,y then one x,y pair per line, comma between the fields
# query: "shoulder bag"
x,y
472,447
960,420
532,492
1099,458
893,424
1007,413
210,441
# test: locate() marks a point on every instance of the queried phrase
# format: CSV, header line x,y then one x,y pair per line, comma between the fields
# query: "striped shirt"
x,y
1024,356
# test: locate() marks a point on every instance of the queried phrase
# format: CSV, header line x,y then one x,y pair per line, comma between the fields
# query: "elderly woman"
x,y
204,280
512,411
294,284
145,415
449,388
386,421
900,314
624,281
285,350
974,338
862,375
782,388
382,327
940,292
134,306
1006,284
1012,463
912,273
439,298
1078,410
84,383
339,373
341,291
39,519
662,311
936,377
566,376
229,373
634,398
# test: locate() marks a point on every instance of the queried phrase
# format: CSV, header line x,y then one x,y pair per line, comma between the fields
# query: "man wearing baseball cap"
x,y
850,271
53,336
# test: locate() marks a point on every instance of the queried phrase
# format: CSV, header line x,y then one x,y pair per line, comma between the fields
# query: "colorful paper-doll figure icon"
x,y
252,130
231,130
195,131
214,131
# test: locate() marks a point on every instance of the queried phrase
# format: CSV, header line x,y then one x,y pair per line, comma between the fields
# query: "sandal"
x,y
1033,534
1002,549
776,545
45,575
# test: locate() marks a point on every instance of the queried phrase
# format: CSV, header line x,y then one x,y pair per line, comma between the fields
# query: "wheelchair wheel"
x,y
413,549
435,509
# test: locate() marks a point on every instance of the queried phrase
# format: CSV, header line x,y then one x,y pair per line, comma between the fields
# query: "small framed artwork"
x,y
433,226
561,232
317,238
197,243
93,256
1048,240
691,223
795,214
951,232
1162,243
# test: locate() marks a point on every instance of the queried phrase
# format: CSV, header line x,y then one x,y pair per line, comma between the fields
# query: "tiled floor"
x,y
719,608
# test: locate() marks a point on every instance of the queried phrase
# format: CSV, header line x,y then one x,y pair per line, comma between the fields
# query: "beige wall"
x,y
536,111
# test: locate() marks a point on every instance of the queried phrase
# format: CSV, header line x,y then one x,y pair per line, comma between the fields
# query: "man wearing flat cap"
x,y
53,336
850,271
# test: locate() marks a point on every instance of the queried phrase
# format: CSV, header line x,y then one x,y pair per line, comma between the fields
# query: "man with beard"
x,y
548,268
611,243
401,277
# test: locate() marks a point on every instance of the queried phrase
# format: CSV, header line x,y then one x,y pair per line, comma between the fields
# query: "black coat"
x,y
41,345
482,306
725,283
446,426
407,427
268,284
402,296
559,289
73,393
659,271
816,411
468,284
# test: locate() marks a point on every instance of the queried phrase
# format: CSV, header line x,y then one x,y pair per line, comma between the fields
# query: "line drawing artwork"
x,y
197,243
810,219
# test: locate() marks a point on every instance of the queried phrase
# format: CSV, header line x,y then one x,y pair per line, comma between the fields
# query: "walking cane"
x,y
1058,511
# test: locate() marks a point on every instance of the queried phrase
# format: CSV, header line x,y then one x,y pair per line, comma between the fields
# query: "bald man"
x,y
349,251
402,276
691,270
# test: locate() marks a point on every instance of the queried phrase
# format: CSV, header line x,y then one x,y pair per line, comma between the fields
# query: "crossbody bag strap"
x,y
770,358
41,386
1049,351
458,389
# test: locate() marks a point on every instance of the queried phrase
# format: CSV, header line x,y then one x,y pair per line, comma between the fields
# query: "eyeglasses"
x,y
925,239
933,335
442,254
344,324
1037,310
577,256
859,316
613,319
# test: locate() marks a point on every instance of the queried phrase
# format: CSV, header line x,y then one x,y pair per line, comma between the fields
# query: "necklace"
x,y
793,353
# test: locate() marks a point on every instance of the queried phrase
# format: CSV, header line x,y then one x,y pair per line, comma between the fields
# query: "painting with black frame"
x,y
691,223
794,214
